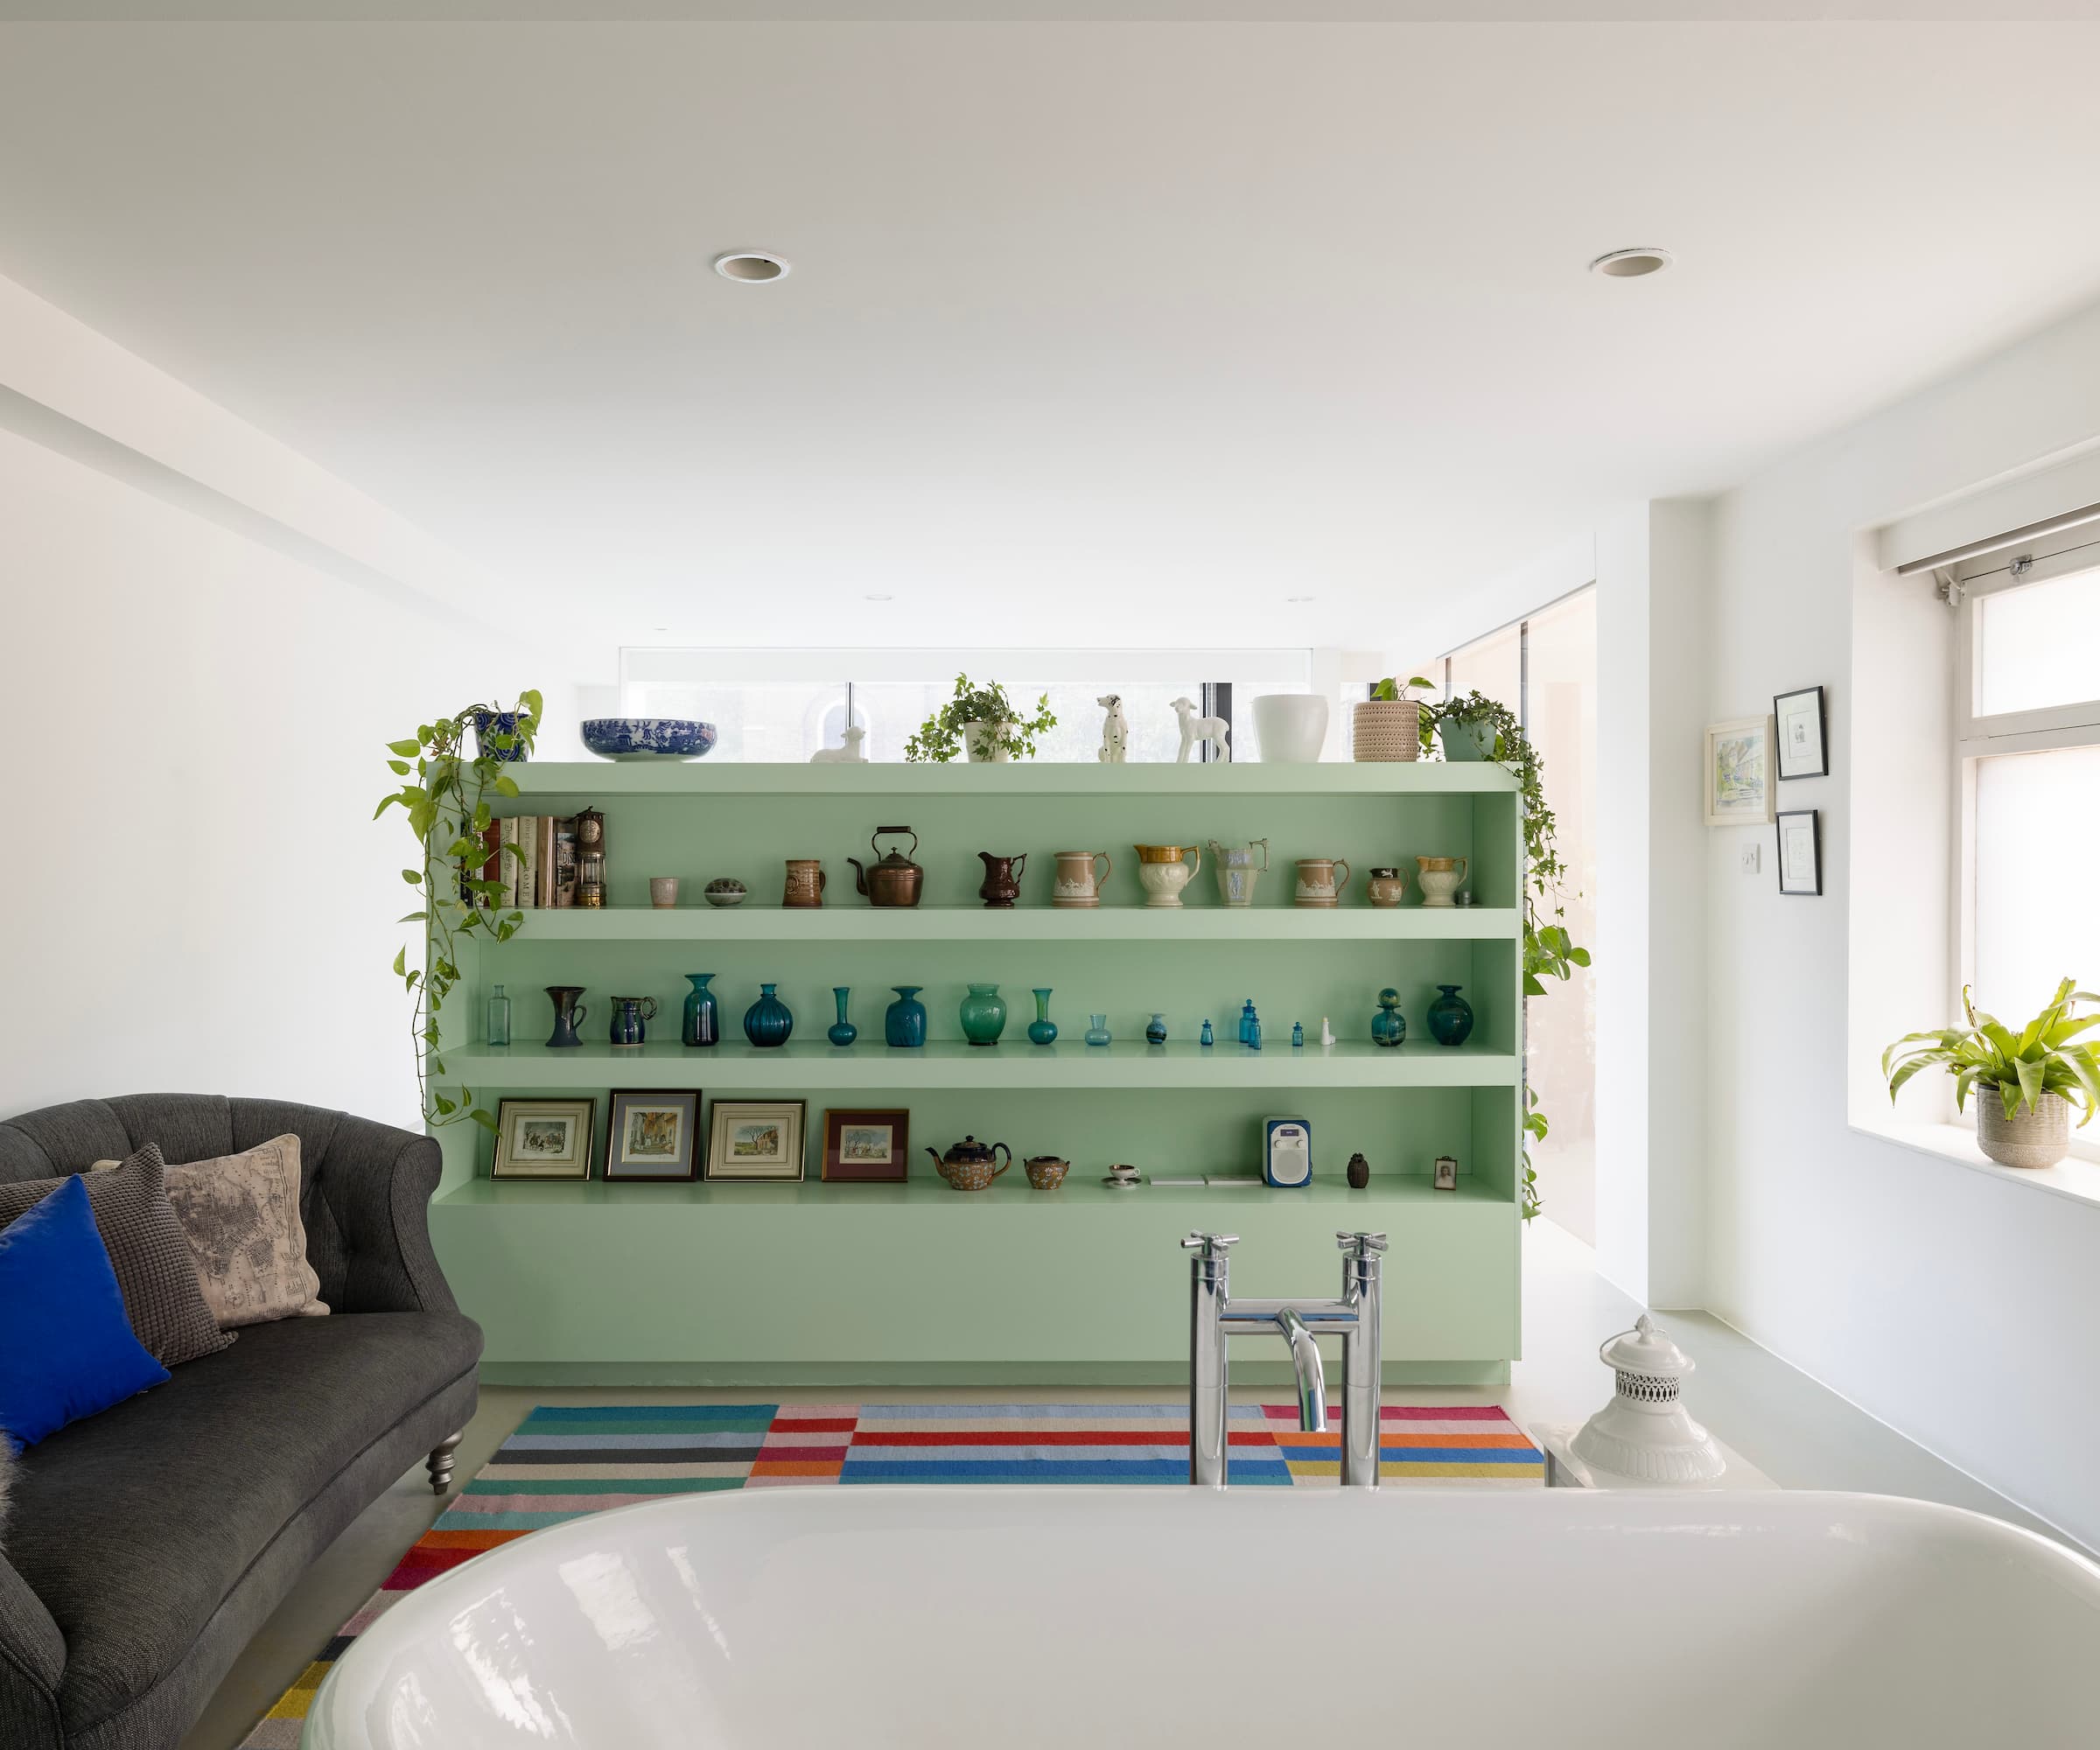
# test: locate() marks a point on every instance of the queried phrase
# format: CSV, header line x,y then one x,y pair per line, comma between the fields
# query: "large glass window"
x,y
2038,645
2037,836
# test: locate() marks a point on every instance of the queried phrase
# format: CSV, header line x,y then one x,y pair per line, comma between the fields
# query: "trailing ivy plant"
x,y
1550,951
940,737
446,797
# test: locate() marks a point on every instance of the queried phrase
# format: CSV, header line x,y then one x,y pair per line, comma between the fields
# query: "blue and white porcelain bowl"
x,y
648,737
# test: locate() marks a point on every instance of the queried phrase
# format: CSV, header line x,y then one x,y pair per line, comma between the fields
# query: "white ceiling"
x,y
1095,334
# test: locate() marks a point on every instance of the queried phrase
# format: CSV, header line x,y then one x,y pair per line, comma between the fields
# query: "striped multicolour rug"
x,y
563,1463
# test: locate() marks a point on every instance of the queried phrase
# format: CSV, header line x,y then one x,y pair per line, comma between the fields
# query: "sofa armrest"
x,y
377,1183
32,1659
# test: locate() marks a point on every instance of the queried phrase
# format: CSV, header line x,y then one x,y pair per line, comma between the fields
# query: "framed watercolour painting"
x,y
543,1138
650,1134
1739,772
1800,851
755,1139
1802,751
867,1147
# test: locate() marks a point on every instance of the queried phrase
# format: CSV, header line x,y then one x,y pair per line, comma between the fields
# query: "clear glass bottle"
x,y
499,1016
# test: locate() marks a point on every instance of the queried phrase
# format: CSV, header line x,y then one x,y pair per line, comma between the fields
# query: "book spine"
x,y
528,862
507,866
543,861
564,864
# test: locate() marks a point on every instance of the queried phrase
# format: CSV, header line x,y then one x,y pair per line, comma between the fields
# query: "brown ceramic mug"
x,y
805,889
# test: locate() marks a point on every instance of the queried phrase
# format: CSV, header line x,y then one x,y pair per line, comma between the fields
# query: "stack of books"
x,y
534,856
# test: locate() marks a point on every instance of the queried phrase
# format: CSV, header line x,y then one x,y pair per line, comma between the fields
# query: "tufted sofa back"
x,y
349,1180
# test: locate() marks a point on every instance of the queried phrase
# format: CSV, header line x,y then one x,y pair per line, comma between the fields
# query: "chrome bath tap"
x,y
1213,1316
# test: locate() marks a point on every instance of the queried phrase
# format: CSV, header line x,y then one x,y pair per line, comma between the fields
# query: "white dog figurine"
x,y
1115,731
1214,730
848,754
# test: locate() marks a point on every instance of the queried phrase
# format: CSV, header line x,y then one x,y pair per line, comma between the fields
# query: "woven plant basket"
x,y
2040,1138
1386,729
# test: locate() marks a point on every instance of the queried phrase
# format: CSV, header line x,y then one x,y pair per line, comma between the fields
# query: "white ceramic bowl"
x,y
1292,726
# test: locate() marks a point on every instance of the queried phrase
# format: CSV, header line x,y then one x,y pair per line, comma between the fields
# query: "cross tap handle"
x,y
1360,1243
1211,1245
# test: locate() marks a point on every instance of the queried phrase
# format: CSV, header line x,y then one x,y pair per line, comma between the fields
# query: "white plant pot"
x,y
1292,727
2040,1137
978,744
1386,730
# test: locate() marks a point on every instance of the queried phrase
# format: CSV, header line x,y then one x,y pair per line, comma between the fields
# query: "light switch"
x,y
1749,858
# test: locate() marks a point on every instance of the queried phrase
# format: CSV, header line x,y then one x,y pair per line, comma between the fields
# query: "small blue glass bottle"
x,y
1248,1024
1208,1037
1254,1032
499,1016
1298,1034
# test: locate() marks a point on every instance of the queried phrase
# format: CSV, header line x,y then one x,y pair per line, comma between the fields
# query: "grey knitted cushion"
x,y
156,1271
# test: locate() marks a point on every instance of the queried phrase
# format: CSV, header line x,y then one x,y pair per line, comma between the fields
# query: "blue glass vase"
x,y
1097,1030
842,1031
701,1024
1450,1017
904,1021
1388,1026
768,1021
1155,1030
1042,1030
984,1015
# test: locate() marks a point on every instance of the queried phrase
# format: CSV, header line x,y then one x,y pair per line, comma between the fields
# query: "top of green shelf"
x,y
1045,778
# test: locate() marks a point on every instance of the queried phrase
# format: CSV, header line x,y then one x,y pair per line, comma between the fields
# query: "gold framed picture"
x,y
755,1139
543,1138
650,1134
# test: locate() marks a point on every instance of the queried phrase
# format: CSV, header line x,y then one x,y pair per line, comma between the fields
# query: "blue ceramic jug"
x,y
630,1015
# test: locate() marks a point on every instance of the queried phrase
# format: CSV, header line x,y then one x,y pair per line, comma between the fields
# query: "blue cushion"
x,y
69,1350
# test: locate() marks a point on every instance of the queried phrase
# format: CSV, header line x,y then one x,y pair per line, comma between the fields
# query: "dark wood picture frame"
x,y
1814,819
838,1169
687,1164
1822,769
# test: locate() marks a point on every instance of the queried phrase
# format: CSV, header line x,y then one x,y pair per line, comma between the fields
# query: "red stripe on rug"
x,y
1049,1437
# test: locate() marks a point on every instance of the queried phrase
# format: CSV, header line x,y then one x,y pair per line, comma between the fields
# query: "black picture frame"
x,y
685,1160
1788,720
1814,829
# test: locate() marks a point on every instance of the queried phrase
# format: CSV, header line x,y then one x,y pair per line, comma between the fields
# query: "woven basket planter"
x,y
2040,1137
1386,730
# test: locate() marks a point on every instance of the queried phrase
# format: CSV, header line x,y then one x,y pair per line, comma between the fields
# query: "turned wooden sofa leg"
x,y
439,1463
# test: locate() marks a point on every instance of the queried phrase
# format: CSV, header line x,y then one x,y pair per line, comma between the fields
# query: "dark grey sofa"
x,y
146,1545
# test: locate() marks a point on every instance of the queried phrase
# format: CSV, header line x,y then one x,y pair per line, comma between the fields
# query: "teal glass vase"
x,y
904,1021
842,1031
1388,1026
1097,1030
1450,1017
1042,1030
768,1021
984,1015
1155,1030
701,1024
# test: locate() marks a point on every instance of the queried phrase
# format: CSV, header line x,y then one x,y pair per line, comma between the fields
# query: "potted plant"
x,y
2025,1083
446,797
1392,724
1476,727
984,722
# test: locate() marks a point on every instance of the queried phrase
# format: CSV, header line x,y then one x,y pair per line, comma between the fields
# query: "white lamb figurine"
x,y
1214,730
848,755
1115,731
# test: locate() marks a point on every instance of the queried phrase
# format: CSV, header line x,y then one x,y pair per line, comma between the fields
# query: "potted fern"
x,y
984,722
2025,1083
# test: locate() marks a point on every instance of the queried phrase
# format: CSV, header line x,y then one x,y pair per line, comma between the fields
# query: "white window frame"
x,y
1979,737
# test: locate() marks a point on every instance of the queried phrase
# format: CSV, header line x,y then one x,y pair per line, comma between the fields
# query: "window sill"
x,y
2076,1178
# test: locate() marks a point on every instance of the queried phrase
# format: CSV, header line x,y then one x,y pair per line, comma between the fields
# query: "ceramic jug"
x,y
805,889
568,1013
967,1166
629,1013
1237,870
1317,885
893,879
1387,887
1076,884
1002,887
1441,876
1163,871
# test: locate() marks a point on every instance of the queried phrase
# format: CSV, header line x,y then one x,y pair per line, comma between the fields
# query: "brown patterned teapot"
x,y
967,1166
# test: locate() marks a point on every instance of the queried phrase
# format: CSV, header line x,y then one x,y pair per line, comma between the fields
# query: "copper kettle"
x,y
894,880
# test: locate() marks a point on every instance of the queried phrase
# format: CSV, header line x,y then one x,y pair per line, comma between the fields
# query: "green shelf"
x,y
1012,1191
773,923
699,778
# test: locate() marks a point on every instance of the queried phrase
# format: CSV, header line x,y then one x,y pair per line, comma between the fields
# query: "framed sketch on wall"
x,y
650,1133
869,1146
1804,752
755,1139
543,1138
1739,763
1799,852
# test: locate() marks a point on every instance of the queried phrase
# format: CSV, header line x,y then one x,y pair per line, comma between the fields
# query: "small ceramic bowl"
x,y
724,892
1046,1172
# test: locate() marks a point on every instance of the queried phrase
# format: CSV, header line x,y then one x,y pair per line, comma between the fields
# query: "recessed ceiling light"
x,y
1632,263
754,267
1301,598
875,599
660,628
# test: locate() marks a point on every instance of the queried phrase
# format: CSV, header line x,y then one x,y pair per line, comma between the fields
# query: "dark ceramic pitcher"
x,y
1002,883
568,1013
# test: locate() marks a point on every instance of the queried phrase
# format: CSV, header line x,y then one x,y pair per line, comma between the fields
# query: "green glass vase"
x,y
984,1015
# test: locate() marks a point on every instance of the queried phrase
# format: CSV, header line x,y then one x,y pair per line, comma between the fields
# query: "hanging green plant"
x,y
982,721
446,797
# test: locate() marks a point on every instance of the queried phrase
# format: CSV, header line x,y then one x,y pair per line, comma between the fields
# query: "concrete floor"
x,y
1798,1433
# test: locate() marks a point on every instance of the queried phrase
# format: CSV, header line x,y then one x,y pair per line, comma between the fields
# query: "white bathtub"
x,y
1000,1617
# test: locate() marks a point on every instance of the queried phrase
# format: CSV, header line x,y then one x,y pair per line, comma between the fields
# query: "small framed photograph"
x,y
872,1148
543,1138
1802,751
755,1139
1739,772
1445,1175
652,1133
1800,851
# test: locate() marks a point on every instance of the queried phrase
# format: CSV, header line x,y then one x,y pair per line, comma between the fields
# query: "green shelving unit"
x,y
757,1284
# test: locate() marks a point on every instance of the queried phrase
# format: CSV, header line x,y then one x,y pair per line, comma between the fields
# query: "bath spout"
x,y
1312,1376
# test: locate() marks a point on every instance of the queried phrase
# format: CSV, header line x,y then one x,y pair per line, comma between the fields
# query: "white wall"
x,y
1958,1306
